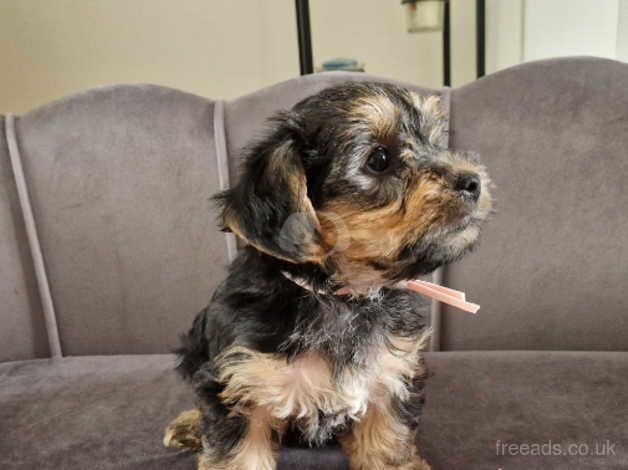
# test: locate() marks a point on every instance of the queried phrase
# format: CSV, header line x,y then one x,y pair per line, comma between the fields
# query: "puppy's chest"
x,y
314,397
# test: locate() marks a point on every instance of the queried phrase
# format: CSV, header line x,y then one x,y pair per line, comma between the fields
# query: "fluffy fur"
x,y
270,359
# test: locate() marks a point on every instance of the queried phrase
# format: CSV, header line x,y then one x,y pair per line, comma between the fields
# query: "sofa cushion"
x,y
109,412
103,412
479,403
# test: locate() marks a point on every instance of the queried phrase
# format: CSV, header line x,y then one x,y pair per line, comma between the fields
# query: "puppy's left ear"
x,y
269,208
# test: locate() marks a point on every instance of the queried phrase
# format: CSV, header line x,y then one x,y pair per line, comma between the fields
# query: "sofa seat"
x,y
108,412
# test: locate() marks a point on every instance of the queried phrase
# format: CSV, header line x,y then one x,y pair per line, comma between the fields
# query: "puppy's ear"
x,y
269,208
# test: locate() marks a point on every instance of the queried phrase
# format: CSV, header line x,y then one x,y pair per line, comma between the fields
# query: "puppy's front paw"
x,y
184,432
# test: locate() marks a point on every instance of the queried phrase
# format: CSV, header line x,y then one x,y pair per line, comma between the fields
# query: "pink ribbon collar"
x,y
452,297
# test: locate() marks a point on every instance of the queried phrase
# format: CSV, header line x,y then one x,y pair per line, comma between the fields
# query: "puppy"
x,y
351,192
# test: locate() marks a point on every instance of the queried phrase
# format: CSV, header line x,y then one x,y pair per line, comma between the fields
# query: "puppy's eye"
x,y
379,160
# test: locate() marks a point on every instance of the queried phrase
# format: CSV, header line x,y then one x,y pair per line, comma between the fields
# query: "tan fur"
x,y
295,390
379,441
184,431
399,363
379,234
316,252
379,112
255,452
270,391
284,167
300,389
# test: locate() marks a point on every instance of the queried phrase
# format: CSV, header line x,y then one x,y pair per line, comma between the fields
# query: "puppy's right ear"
x,y
269,207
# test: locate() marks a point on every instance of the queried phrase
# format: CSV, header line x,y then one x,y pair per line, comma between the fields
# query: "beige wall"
x,y
374,33
504,34
225,48
463,37
215,48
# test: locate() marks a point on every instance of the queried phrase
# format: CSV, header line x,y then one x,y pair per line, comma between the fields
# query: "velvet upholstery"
x,y
120,180
552,269
139,250
22,329
475,399
108,412
103,412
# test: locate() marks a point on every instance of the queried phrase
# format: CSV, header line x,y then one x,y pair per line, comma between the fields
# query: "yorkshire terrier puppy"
x,y
351,192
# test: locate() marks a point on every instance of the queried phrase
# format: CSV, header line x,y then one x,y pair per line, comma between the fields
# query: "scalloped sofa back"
x,y
120,179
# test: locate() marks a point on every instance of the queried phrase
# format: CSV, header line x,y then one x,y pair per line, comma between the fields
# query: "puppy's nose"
x,y
469,185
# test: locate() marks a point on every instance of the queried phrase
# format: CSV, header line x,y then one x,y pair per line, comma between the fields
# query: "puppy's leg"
x,y
254,450
235,435
382,441
184,431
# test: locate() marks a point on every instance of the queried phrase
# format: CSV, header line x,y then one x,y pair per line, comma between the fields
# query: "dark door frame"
x,y
304,31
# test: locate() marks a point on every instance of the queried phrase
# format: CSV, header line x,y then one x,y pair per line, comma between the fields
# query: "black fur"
x,y
258,307
319,141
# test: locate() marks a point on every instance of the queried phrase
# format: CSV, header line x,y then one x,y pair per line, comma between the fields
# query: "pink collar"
x,y
452,297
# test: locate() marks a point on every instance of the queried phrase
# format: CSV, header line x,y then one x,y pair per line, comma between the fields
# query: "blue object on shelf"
x,y
342,64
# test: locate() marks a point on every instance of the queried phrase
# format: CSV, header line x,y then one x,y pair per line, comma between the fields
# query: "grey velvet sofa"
x,y
116,248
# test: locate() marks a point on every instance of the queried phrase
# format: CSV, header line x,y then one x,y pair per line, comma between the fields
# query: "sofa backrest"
x,y
22,328
552,269
120,181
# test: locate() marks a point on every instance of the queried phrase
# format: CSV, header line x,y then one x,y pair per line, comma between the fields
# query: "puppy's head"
x,y
358,180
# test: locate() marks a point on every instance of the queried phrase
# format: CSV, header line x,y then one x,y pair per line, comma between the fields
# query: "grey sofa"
x,y
116,248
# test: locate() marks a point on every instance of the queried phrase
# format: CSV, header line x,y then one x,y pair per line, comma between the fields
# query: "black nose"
x,y
469,185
